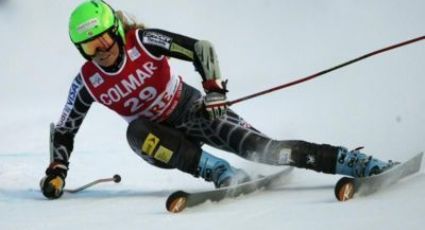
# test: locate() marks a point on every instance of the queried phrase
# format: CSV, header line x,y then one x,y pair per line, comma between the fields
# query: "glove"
x,y
215,101
53,183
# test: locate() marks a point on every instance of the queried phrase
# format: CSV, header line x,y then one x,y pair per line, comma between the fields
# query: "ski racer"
x,y
127,70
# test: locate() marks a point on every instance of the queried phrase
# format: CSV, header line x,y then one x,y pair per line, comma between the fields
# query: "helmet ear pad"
x,y
120,30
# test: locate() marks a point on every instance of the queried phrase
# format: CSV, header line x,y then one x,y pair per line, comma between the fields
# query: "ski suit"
x,y
167,123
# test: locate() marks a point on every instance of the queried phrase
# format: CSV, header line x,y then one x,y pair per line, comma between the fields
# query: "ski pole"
x,y
116,178
52,129
301,80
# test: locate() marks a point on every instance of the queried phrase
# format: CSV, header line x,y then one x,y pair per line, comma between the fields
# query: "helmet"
x,y
91,19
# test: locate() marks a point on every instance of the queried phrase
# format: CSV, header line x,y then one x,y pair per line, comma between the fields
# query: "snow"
x,y
378,103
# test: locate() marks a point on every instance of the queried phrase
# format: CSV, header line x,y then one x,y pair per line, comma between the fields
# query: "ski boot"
x,y
219,171
356,164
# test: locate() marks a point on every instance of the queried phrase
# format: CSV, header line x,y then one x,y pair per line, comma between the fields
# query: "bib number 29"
x,y
145,95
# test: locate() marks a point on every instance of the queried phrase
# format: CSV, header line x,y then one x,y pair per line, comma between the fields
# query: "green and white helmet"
x,y
91,19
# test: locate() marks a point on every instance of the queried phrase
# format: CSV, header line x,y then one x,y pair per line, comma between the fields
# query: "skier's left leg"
x,y
231,133
324,158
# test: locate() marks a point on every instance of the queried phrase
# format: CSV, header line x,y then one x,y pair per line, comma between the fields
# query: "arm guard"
x,y
207,63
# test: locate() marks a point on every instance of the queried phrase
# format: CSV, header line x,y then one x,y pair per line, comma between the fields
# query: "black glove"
x,y
53,183
215,101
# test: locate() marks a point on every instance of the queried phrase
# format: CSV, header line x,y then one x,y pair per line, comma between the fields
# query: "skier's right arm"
x,y
202,53
76,107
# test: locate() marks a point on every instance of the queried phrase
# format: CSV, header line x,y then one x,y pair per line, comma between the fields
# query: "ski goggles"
x,y
104,42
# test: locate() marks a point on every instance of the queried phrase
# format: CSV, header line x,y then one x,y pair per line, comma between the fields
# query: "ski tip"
x,y
177,202
344,189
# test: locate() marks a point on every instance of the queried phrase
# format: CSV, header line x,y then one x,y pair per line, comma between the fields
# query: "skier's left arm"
x,y
201,53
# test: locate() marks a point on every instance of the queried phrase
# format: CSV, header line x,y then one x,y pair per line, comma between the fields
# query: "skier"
x,y
127,70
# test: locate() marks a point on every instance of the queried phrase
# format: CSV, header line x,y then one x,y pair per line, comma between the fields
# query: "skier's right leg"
x,y
167,147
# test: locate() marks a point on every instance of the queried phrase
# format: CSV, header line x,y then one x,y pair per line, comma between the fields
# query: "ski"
x,y
180,200
347,187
